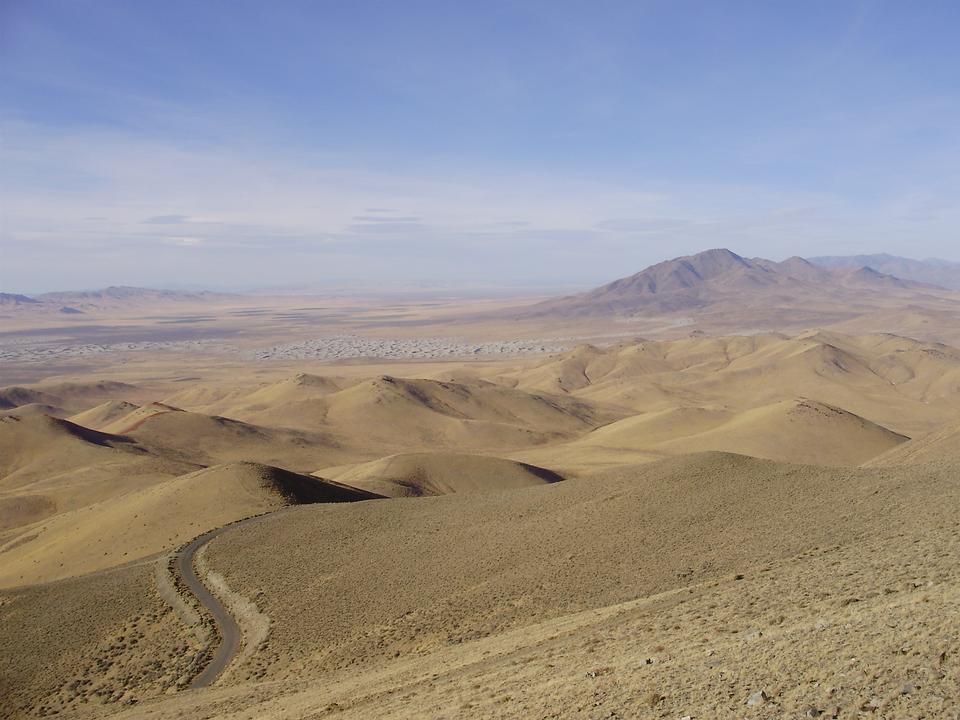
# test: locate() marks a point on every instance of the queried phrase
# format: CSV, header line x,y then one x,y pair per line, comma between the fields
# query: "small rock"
x,y
813,712
759,697
908,689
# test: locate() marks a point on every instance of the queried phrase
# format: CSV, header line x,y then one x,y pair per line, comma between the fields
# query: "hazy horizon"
x,y
233,145
401,285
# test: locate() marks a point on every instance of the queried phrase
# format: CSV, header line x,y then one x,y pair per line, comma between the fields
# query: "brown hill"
x,y
393,413
908,386
73,397
797,430
43,444
35,409
104,415
210,439
15,396
167,514
126,422
50,466
420,474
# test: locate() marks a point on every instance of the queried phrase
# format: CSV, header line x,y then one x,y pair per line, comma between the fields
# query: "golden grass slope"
x,y
144,522
797,430
902,384
119,416
392,414
420,474
38,445
49,465
208,439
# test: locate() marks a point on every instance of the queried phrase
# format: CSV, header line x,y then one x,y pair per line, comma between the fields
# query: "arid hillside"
x,y
645,528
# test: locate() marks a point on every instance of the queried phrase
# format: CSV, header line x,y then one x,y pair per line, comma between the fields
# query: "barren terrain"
x,y
712,489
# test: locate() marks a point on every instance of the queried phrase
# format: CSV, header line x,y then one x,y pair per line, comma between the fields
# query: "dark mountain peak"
x,y
713,262
682,273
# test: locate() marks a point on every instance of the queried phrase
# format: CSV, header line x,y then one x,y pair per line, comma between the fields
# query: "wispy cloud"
x,y
166,220
272,217
387,218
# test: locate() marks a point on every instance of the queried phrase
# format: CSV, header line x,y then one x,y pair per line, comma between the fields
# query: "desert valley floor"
x,y
711,490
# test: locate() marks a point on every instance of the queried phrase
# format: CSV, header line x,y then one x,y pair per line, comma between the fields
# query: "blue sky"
x,y
251,143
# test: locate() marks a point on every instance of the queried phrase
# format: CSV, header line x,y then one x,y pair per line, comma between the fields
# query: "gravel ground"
x,y
343,347
44,352
331,348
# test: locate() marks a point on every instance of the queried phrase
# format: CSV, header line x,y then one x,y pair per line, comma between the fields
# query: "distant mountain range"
x,y
717,278
714,281
936,272
80,301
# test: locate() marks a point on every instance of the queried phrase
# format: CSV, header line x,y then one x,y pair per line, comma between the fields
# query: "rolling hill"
x,y
675,571
144,522
391,413
423,474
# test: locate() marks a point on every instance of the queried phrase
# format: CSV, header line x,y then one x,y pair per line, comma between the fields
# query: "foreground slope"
x,y
669,589
543,551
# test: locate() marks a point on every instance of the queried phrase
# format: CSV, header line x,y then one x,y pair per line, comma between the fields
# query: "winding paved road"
x,y
229,630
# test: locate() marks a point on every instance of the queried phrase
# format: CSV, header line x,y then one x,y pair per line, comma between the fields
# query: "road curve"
x,y
230,633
